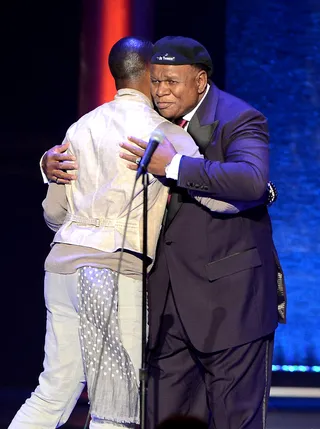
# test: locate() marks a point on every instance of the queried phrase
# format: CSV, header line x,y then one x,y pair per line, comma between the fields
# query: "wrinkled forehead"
x,y
164,71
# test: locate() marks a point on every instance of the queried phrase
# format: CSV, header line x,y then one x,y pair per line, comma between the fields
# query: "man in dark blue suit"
x,y
216,292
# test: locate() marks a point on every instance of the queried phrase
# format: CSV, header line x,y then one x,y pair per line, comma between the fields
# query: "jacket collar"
x,y
134,95
203,123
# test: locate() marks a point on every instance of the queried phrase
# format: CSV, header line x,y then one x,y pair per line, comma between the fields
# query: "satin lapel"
x,y
201,127
173,208
203,124
202,135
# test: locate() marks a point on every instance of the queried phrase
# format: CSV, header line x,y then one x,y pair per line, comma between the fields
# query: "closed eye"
x,y
169,81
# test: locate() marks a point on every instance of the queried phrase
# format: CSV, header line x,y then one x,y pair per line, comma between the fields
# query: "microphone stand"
x,y
143,372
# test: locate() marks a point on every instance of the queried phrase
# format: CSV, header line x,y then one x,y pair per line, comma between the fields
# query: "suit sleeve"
x,y
55,206
244,174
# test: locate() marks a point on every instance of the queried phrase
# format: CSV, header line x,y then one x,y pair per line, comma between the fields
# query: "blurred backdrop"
x,y
53,68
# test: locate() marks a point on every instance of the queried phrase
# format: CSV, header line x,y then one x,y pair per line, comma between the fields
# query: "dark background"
x,y
39,97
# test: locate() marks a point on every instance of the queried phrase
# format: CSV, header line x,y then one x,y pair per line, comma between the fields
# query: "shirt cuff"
x,y
172,171
44,177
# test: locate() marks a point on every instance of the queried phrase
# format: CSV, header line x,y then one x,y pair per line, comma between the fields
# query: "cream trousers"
x,y
63,378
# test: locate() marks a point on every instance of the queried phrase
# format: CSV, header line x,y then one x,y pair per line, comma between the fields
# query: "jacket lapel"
x,y
201,128
203,124
173,207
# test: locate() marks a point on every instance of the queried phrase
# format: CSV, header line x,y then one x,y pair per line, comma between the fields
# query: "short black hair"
x,y
129,58
200,67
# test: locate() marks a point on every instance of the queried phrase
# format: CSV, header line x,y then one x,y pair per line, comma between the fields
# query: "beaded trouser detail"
x,y
112,385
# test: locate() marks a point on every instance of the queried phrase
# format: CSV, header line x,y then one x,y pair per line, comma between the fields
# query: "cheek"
x,y
186,101
177,95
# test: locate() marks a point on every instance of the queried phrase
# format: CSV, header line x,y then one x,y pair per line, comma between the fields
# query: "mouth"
x,y
163,105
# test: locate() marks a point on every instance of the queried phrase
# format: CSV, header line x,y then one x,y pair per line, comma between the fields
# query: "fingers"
x,y
66,165
139,142
132,149
61,147
132,160
132,167
55,163
62,177
57,153
135,152
63,157
128,157
57,156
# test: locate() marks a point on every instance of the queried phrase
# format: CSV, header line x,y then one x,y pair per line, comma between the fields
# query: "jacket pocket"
x,y
233,264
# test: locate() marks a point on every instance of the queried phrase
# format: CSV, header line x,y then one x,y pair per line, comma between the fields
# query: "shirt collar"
x,y
189,115
135,94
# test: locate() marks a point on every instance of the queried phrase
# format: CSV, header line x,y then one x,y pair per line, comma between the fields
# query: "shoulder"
x,y
239,118
89,119
95,114
180,139
232,108
172,131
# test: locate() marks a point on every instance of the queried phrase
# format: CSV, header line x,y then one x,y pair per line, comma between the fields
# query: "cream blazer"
x,y
97,203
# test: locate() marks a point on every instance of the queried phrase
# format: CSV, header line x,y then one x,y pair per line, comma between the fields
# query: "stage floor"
x,y
278,418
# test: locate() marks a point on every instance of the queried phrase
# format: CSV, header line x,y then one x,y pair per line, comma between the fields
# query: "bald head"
x,y
129,60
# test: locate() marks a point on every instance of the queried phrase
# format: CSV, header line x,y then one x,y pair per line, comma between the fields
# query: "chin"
x,y
166,114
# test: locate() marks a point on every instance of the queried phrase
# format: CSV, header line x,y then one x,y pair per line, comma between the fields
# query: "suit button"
x,y
205,188
197,185
168,242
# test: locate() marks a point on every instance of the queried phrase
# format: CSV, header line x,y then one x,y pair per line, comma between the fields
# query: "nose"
x,y
162,89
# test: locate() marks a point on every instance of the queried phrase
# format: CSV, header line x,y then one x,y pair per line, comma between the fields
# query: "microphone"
x,y
156,138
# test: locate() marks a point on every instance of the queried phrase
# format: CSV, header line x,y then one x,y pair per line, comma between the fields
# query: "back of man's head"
x,y
129,58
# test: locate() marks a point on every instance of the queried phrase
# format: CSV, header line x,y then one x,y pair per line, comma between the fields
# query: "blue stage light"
x,y
295,368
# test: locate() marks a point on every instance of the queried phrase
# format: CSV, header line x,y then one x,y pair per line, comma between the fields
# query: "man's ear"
x,y
202,80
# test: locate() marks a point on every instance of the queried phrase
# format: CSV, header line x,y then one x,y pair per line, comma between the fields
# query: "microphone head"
x,y
157,136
